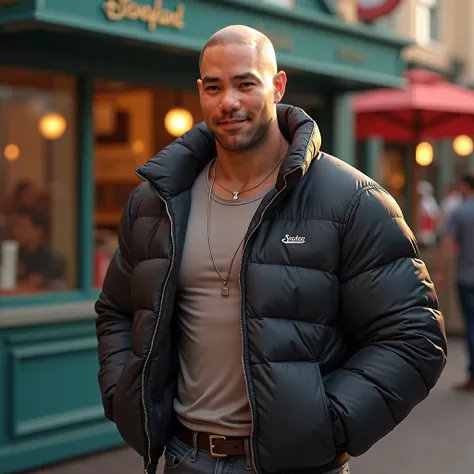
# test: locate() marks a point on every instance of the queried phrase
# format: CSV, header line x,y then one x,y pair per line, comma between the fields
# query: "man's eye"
x,y
247,84
212,88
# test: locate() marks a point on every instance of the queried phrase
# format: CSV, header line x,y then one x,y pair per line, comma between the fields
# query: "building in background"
x,y
442,36
89,90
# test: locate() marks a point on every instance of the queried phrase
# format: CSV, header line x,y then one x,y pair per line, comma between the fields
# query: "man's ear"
x,y
279,86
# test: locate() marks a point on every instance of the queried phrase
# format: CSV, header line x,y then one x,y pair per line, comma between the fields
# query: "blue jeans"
x,y
466,300
183,459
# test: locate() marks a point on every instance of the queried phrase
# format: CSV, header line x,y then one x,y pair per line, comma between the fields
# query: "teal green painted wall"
x,y
20,10
50,403
323,6
306,41
343,128
372,151
85,98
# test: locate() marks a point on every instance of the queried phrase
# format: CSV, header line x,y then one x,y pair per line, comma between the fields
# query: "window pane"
x,y
434,23
38,204
129,123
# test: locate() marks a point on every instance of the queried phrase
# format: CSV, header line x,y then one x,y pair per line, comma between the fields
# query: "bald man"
x,y
267,310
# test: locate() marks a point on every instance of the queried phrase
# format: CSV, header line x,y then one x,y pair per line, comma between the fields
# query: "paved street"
x,y
437,438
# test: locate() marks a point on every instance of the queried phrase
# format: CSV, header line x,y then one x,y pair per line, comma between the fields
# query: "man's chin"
x,y
233,145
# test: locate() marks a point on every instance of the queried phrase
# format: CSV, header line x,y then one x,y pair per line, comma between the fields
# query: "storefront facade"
x,y
85,88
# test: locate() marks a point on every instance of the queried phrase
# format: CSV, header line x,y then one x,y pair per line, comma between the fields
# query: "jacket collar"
x,y
175,168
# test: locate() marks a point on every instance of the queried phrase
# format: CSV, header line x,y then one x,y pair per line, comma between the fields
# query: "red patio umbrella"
x,y
429,107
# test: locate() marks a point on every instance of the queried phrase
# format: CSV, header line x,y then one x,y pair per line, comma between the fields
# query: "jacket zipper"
x,y
244,366
147,431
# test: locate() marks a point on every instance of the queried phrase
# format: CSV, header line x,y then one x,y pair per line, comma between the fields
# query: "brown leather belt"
x,y
216,445
223,446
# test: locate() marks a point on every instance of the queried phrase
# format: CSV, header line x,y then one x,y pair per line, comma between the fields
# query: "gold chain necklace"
x,y
225,288
225,279
235,194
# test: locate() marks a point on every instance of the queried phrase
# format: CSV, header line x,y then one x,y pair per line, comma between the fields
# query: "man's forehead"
x,y
245,51
232,59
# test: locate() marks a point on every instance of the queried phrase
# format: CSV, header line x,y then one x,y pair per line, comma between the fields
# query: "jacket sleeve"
x,y
114,310
389,313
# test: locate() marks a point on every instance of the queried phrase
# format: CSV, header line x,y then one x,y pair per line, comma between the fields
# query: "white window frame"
x,y
423,32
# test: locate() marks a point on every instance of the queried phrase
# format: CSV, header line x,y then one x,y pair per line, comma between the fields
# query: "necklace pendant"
x,y
236,195
225,290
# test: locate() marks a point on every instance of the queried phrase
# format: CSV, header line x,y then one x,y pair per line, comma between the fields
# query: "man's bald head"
x,y
238,34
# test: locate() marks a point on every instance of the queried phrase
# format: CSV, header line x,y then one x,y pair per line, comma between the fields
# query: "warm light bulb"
x,y
178,121
11,152
424,154
463,145
52,125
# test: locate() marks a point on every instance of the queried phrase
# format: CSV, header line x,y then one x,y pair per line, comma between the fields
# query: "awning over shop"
x,y
428,107
309,40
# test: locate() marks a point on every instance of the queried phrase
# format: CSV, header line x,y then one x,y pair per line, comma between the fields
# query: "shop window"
x,y
427,21
129,125
38,182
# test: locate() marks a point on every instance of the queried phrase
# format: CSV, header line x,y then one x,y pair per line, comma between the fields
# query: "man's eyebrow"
x,y
246,75
209,79
238,77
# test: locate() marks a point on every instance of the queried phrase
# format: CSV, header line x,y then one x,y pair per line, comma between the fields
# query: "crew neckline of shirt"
x,y
229,202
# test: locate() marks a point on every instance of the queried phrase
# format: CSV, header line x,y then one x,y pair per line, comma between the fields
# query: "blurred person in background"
x,y
267,310
38,266
450,201
24,195
428,215
459,241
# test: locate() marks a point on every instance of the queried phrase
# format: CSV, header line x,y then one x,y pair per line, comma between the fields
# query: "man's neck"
x,y
244,168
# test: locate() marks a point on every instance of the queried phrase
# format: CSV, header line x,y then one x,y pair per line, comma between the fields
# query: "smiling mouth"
x,y
231,122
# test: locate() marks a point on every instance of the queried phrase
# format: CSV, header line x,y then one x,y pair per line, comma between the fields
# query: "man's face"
x,y
238,94
24,231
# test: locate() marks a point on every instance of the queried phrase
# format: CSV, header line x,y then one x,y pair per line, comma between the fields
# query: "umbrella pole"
x,y
414,174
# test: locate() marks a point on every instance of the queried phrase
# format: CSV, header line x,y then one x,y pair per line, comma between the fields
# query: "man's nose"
x,y
229,102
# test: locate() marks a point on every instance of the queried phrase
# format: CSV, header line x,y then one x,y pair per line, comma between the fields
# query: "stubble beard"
x,y
246,141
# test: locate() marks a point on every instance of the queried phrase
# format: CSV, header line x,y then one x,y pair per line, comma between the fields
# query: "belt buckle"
x,y
211,446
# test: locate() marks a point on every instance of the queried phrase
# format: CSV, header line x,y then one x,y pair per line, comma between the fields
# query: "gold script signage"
x,y
351,56
153,15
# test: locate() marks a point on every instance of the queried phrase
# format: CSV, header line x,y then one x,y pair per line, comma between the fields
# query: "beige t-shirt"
x,y
212,395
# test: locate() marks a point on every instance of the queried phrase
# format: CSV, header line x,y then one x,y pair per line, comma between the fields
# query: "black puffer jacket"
x,y
342,336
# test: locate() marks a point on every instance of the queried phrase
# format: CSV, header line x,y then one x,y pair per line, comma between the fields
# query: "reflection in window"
x,y
38,189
